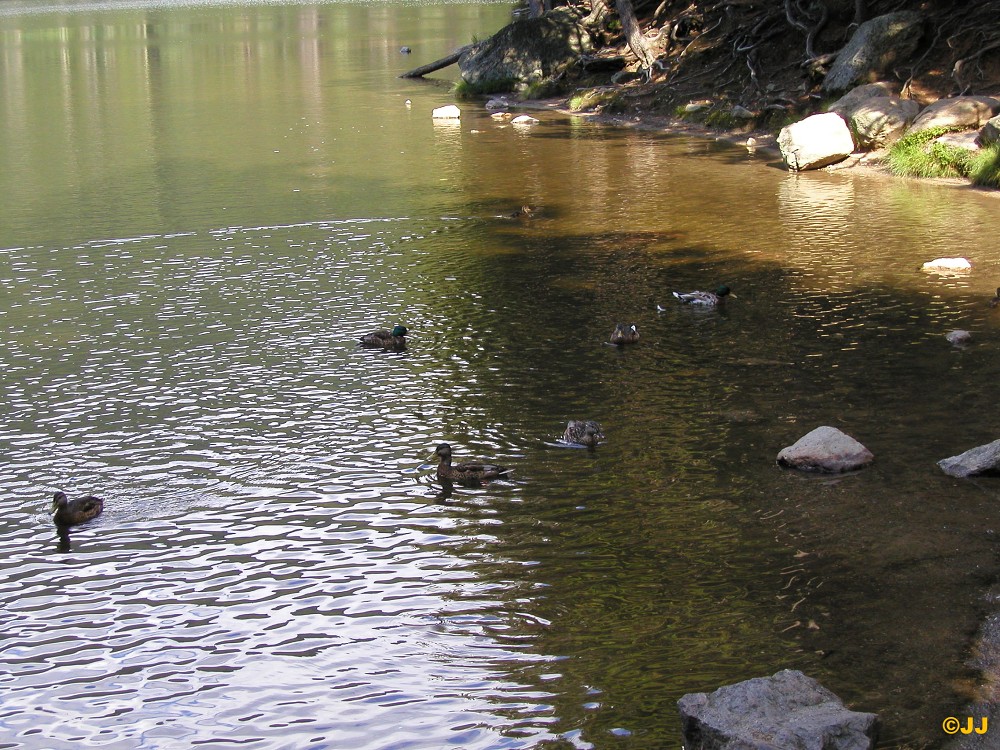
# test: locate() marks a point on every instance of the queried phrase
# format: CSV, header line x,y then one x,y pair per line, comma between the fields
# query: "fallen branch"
x,y
444,62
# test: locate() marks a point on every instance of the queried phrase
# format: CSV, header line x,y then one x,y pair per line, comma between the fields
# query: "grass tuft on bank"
x,y
920,155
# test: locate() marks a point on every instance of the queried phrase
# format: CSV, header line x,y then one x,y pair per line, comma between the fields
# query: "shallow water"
x,y
205,206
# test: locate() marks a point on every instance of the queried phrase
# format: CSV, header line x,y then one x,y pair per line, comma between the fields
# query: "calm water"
x,y
205,205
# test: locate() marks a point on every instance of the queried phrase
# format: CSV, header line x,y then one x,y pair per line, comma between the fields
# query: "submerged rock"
x,y
827,450
958,337
787,711
985,459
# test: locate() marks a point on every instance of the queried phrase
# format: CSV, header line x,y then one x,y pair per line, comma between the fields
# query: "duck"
x,y
996,300
66,512
393,340
708,299
583,432
468,473
524,212
624,333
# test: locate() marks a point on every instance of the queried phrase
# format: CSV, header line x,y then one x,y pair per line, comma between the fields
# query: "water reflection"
x,y
186,271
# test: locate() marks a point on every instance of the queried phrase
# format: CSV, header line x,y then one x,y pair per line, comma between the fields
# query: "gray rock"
x,y
879,121
827,450
787,711
527,50
859,94
966,112
982,460
969,140
990,132
874,48
815,142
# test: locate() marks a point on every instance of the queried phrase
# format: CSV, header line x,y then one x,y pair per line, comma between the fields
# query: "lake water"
x,y
205,205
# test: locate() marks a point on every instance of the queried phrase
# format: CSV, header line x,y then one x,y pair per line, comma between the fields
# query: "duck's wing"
x,y
697,298
376,338
476,469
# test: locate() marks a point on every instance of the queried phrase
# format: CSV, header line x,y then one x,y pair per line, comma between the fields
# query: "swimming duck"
x,y
624,333
708,299
68,512
524,212
393,340
468,473
583,432
996,300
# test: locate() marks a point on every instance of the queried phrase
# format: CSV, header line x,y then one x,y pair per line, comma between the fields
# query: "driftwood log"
x,y
444,62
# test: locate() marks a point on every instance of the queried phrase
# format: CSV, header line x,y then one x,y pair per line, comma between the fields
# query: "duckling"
x,y
708,299
583,432
524,212
393,340
996,300
467,473
624,333
68,512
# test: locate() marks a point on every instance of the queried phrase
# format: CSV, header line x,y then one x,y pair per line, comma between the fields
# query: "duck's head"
x,y
398,330
724,291
59,500
443,451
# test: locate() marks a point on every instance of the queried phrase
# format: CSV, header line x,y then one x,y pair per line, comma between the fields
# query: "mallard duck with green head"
x,y
624,333
468,472
583,432
66,512
394,340
705,299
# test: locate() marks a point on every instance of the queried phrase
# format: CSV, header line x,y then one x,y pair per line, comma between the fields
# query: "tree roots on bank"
x,y
747,46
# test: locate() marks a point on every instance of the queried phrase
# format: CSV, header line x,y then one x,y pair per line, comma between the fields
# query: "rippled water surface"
x,y
206,206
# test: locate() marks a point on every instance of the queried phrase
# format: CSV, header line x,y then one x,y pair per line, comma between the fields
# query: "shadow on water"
x,y
881,583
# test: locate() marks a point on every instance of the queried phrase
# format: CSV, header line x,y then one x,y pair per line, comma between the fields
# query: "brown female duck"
x,y
469,472
66,512
583,432
624,333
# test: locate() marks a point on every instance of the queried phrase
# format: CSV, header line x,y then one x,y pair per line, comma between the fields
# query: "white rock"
x,y
815,142
523,120
947,265
450,112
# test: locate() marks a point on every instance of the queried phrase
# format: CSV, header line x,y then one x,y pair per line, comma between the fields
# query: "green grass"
x,y
985,167
917,155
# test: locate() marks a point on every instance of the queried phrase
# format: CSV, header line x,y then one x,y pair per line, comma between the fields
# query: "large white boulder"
x,y
815,142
